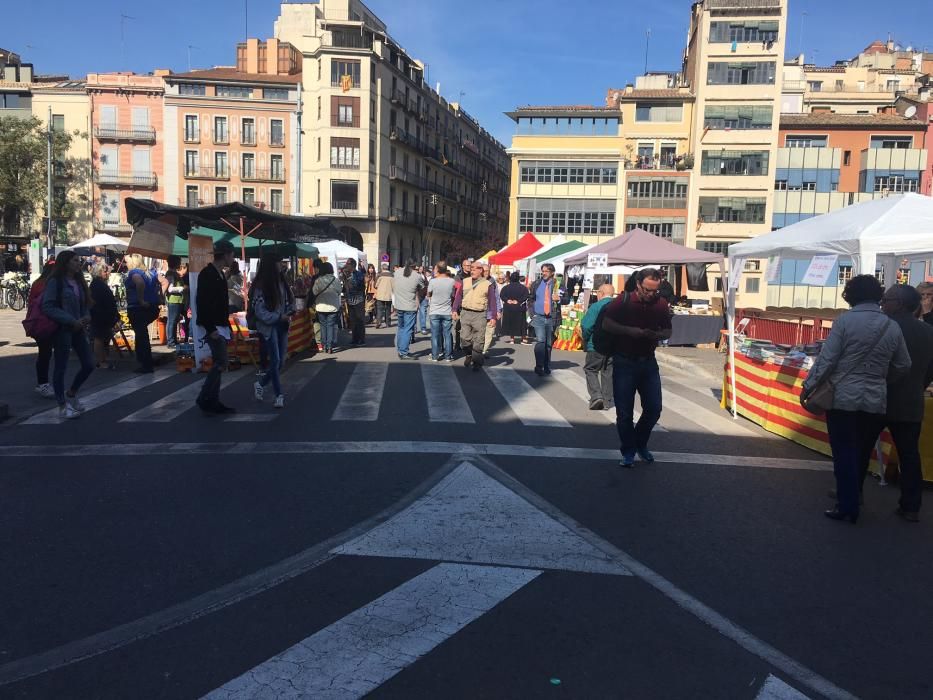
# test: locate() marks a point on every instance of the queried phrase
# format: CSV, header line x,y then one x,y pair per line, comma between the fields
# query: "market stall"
x,y
337,253
555,256
522,248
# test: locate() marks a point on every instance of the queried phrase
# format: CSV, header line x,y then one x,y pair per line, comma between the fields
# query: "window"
x,y
815,85
277,168
249,196
192,130
891,85
220,195
233,91
276,132
847,157
344,74
344,153
248,166
372,194
372,151
728,210
221,168
844,275
275,93
344,111
738,117
798,141
319,149
191,164
221,132
749,31
735,163
319,108
721,247
571,216
568,126
780,185
808,186
248,131
543,172
58,123
191,195
276,201
659,113
344,195
896,183
896,142
372,111
186,89
751,73
752,285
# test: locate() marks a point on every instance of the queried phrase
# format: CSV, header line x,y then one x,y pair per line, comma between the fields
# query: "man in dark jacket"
x,y
904,415
212,315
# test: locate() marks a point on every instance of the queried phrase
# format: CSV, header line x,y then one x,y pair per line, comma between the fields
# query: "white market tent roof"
x,y
101,240
895,227
337,253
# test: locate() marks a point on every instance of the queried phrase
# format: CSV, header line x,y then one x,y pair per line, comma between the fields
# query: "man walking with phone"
x,y
637,321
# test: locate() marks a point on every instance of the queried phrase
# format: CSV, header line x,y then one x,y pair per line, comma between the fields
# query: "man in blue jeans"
x,y
637,322
544,302
406,284
440,296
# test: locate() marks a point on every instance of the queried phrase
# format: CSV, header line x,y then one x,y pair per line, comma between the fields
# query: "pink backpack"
x,y
37,325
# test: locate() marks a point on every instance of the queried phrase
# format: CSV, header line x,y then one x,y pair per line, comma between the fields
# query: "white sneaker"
x,y
74,403
45,391
279,401
258,391
68,411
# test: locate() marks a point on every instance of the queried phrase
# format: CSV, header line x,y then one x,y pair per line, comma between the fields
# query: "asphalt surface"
x,y
145,558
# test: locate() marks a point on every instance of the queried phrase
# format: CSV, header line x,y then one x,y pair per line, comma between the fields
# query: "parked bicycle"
x,y
15,291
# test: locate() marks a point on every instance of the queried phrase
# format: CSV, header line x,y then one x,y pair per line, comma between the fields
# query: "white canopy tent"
x,y
525,265
337,253
880,232
100,241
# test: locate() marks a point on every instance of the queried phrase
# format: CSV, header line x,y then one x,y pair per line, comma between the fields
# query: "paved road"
x,y
420,530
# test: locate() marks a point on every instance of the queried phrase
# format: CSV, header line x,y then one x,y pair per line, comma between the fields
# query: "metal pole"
x,y
50,238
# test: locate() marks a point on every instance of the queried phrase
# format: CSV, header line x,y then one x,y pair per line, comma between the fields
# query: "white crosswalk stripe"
x,y
170,407
103,396
527,404
294,380
363,396
442,391
718,423
577,386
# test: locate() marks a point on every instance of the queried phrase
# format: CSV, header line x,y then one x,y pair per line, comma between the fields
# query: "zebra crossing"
x,y
513,396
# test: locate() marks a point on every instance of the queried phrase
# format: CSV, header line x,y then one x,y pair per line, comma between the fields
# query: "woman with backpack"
x,y
272,304
44,341
142,308
66,301
326,293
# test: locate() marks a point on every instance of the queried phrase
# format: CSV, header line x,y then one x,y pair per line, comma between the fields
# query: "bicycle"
x,y
16,292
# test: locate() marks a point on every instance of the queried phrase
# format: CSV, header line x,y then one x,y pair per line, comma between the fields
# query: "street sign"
x,y
595,260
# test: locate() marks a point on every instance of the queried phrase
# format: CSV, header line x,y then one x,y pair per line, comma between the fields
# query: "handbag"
x,y
821,398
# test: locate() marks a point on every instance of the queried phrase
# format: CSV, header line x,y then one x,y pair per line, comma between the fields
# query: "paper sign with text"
x,y
774,268
735,272
821,267
597,260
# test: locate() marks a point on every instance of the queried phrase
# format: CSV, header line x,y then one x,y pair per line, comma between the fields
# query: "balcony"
x,y
112,226
192,136
399,134
142,180
339,207
207,173
248,140
409,105
221,139
400,216
663,162
264,175
656,202
400,174
140,134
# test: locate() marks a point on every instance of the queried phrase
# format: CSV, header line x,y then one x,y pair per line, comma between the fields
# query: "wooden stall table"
x,y
244,343
769,395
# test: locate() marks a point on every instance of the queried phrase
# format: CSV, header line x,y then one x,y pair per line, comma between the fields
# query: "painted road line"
x,y
361,651
363,396
104,396
577,386
542,453
776,689
471,517
716,423
527,404
294,380
251,417
446,402
170,407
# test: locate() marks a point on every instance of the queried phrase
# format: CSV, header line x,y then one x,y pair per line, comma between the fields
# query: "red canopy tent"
x,y
522,248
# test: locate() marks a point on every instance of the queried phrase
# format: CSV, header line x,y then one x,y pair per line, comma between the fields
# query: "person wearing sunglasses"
x,y
637,321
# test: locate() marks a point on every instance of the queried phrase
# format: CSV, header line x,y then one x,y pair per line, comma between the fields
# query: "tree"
x,y
23,169
458,248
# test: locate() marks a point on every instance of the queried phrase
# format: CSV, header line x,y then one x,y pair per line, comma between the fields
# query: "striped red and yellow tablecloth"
x,y
246,348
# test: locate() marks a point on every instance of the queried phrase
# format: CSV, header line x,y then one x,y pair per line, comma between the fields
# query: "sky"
x,y
500,53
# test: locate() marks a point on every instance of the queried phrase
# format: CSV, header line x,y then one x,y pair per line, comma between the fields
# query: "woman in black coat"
x,y
104,314
514,296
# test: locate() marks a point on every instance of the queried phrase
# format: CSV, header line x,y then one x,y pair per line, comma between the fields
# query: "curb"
x,y
686,365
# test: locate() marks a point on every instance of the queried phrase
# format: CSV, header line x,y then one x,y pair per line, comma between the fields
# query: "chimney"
x,y
272,56
890,45
252,55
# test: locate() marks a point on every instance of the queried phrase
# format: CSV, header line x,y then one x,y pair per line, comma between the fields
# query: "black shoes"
x,y
212,409
836,514
539,371
908,515
597,405
468,360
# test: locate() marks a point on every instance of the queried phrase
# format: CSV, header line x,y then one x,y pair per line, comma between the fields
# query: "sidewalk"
x,y
705,364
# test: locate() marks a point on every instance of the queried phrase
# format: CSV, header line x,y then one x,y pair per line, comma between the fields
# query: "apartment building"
x,y
127,144
67,103
233,134
919,106
733,59
401,171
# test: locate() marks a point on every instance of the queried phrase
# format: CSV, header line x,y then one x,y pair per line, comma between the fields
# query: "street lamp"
x,y
424,238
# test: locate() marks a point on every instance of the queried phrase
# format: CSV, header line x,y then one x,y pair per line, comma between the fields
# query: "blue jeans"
x,y
630,375
66,340
442,340
277,349
328,321
543,326
852,436
423,315
406,326
176,313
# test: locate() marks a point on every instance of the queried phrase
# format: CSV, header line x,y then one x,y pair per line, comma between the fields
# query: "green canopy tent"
x,y
253,247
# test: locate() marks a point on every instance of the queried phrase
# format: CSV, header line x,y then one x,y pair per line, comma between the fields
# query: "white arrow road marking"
x,y
361,651
446,402
170,407
577,386
363,396
471,517
104,396
776,689
530,407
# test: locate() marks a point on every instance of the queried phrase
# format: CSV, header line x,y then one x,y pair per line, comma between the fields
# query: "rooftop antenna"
x,y
123,19
647,42
190,46
460,99
246,19
800,34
